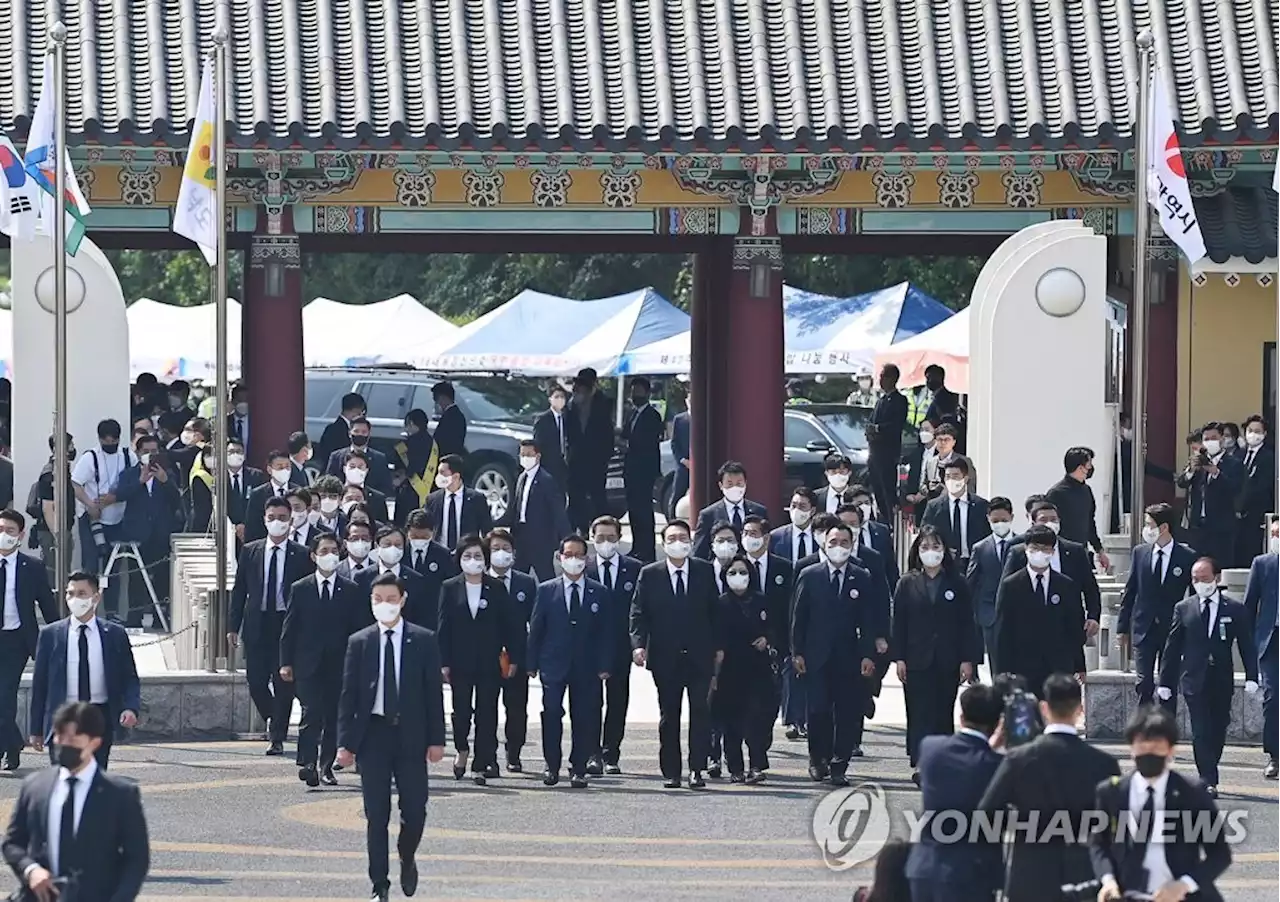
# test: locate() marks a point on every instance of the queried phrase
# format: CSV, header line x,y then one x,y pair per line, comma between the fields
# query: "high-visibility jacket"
x,y
918,401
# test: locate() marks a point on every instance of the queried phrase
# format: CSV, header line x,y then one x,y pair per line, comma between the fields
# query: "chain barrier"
x,y
165,638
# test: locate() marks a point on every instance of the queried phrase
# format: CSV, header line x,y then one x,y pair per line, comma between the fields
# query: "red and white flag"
x,y
1167,188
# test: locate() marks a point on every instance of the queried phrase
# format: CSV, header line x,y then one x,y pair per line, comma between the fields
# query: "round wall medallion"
x,y
45,294
1060,292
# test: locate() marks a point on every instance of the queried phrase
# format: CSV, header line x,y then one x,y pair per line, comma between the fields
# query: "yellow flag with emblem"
x,y
196,217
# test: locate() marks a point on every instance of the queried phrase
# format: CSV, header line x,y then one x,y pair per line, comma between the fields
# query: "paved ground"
x,y
228,823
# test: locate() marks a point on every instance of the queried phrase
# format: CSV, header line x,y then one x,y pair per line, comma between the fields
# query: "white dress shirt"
x,y
397,642
301,534
524,497
322,581
1063,728
683,569
1154,860
761,564
9,563
834,500
504,578
84,780
473,597
963,538
809,545
730,507
105,481
568,589
266,569
456,497
1045,593
1160,555
97,668
1212,601
358,566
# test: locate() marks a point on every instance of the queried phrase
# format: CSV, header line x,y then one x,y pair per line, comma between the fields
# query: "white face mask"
x,y
956,486
735,493
606,550
1126,434
79,607
1254,439
1273,544
327,563
557,402
281,476
298,517
1150,534
1204,590
527,462
386,612
925,437
419,545
8,542
313,517
677,551
838,554
390,554
1212,446
472,566
573,565
1054,525
752,544
277,528
328,506
800,518
355,475
501,558
738,582
442,481
1228,442
1001,528
837,480
235,461
866,513
1038,560
358,549
145,459
348,505
931,557
188,437
724,550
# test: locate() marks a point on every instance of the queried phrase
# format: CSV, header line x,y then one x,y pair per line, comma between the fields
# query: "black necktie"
x,y
1159,571
608,577
235,484
1206,617
451,529
85,692
390,688
1141,838
835,582
956,528
273,577
1000,550
1040,587
680,592
737,517
418,561
560,433
802,550
760,573
1248,460
325,596
575,602
297,536
67,829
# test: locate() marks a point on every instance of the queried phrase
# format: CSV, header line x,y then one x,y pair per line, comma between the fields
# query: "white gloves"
x,y
1164,692
1251,686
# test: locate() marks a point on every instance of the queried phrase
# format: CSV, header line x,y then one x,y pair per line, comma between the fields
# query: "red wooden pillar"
x,y
272,335
708,374
1164,445
756,366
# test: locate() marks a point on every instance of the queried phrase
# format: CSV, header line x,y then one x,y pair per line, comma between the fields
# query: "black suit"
x,y
434,565
624,571
1035,636
336,435
298,475
379,478
590,434
1197,662
940,514
238,502
538,524
313,642
680,640
470,648
933,633
721,512
1146,608
521,591
259,621
1185,802
200,508
984,575
1211,507
640,468
31,590
1055,772
552,441
680,439
421,606
1076,565
450,434
1257,498
890,419
111,854
475,516
389,748
255,512
745,702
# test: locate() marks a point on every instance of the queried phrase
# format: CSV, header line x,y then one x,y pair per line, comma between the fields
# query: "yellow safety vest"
x,y
918,401
421,483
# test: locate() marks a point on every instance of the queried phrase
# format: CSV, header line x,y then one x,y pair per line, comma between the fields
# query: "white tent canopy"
x,y
179,342
946,344
392,331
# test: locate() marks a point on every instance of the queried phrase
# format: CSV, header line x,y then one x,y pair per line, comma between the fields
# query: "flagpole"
x,y
57,47
1141,306
219,617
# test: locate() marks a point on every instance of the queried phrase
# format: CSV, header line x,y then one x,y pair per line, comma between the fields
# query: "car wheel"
x,y
495,482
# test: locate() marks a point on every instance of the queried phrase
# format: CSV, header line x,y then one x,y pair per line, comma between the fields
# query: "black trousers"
x,y
672,685
476,695
272,696
13,658
617,696
383,757
1210,713
930,694
515,702
744,706
837,703
1267,680
882,473
587,499
1250,539
318,731
584,722
1147,656
639,490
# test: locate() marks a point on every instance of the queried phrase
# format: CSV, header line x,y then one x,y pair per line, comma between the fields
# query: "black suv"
x,y
500,412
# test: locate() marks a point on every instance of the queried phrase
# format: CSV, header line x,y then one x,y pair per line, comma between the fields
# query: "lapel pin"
x,y
949,595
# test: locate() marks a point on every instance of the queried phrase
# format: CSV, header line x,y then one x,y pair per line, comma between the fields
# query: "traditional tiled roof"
x,y
1239,222
649,75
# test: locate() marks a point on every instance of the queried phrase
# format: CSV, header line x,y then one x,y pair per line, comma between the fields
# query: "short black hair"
x,y
1061,692
1256,418
85,576
945,429
453,462
443,390
642,381
360,421
1043,506
1000,503
807,494
13,517
529,443
756,520
498,534
354,454
387,578
85,717
1076,457
982,706
1211,426
320,537
389,529
298,441
856,489
823,522
840,526
891,369
957,463
573,539
327,485
557,389
353,401
1212,562
276,454
835,461
683,524
721,525
730,468
108,428
271,504
465,544
1152,722
605,520
1032,501
418,519
359,524
850,508
303,495
1162,514
1041,535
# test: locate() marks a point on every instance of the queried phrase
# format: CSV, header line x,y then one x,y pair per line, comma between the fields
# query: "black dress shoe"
x,y
327,777
275,749
595,767
817,774
714,771
380,895
550,777
491,771
337,767
459,772
408,876
13,760
755,776
672,783
578,781
915,777
308,774
857,752
737,778
515,767
696,781
837,779
794,733
1272,770
479,779
1211,790
612,770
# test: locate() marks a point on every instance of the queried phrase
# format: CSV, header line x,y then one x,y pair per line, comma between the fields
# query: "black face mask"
x,y
933,384
110,447
69,756
1088,473
1150,765
640,400
359,440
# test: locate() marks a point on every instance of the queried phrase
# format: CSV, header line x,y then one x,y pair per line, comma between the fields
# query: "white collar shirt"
x,y
1153,860
761,564
961,502
322,581
504,578
1160,555
57,798
529,476
809,545
730,507
1212,602
9,563
266,570
97,665
683,570
1044,576
397,643
474,591
568,591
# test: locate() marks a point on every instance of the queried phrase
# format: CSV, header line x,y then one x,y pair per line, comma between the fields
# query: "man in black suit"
x,y
76,822
774,576
954,773
866,557
521,590
1123,856
259,599
986,570
24,585
1039,616
323,610
875,534
590,426
456,510
300,452
241,481
945,404
618,573
357,473
642,435
276,485
1074,500
550,433
428,558
1197,662
379,476
1069,558
536,514
1053,774
884,441
1213,479
391,719
674,635
1257,496
681,438
733,508
1159,577
337,434
959,515
451,429
422,596
833,631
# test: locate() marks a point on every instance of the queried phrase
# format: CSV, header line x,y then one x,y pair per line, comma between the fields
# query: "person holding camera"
x,y
153,512
1212,478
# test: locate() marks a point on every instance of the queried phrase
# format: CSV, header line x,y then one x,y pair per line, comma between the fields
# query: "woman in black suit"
x,y
476,630
745,700
935,640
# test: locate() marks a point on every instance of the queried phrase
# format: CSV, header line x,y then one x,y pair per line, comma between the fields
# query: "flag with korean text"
x,y
40,166
196,216
18,201
1168,191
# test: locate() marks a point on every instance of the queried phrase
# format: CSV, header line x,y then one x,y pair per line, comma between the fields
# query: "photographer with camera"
x,y
1212,479
153,512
